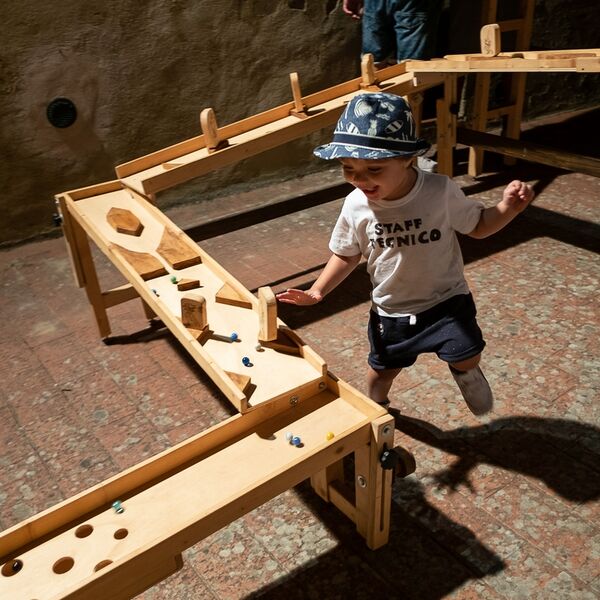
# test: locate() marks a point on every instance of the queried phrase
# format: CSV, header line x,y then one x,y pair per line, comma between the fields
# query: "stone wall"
x,y
139,73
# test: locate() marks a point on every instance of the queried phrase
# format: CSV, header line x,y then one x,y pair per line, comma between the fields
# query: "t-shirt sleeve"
x,y
463,213
343,237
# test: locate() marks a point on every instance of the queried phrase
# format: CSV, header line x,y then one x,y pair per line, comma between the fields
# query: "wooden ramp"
x,y
91,548
233,335
218,147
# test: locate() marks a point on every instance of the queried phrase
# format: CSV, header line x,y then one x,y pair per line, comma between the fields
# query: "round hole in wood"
x,y
102,564
83,531
12,567
62,565
121,533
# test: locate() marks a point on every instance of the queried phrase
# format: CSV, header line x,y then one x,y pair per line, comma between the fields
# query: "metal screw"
x,y
362,482
386,430
322,385
294,400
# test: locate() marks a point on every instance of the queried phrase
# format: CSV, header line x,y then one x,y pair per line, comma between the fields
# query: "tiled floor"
x,y
505,507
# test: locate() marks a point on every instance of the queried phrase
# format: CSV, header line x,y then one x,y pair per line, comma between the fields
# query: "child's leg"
x,y
379,383
466,365
473,385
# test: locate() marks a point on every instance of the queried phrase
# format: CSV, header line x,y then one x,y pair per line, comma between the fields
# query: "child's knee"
x,y
467,364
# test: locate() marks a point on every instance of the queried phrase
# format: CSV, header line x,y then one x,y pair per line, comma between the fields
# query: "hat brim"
x,y
337,150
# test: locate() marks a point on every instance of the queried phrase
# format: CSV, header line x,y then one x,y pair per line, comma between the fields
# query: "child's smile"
x,y
385,179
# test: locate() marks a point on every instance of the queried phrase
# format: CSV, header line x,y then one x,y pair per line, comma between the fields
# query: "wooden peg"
x,y
490,39
267,315
193,312
367,70
208,124
299,109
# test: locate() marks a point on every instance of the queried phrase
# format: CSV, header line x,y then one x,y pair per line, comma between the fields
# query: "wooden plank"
x,y
530,151
178,250
118,295
260,464
250,137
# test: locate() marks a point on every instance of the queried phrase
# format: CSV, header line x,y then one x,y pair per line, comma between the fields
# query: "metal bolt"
x,y
387,429
362,482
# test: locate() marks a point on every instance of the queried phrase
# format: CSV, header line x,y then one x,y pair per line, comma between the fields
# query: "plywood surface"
x,y
272,373
222,481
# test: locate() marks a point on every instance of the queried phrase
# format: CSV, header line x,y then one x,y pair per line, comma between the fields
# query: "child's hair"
x,y
374,126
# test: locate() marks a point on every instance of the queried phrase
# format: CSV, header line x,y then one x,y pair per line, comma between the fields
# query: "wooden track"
x,y
84,549
192,158
274,374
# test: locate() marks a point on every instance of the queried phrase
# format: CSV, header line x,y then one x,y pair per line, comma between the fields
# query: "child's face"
x,y
386,179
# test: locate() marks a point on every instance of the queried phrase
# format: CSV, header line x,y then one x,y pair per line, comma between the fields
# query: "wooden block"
x,y
193,312
242,381
267,314
146,265
188,284
177,250
227,295
124,221
208,124
282,343
367,70
490,39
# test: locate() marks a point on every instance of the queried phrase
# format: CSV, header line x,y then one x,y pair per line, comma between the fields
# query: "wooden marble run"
x,y
126,534
296,420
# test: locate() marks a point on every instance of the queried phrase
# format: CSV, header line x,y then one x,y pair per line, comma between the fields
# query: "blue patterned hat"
x,y
374,126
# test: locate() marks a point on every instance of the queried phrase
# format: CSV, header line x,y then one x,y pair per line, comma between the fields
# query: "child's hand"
x,y
299,297
517,195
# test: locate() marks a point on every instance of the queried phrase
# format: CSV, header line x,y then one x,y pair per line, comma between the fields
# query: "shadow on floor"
x,y
415,563
558,452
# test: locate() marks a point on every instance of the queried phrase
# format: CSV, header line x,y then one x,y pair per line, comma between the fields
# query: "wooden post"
x,y
374,485
92,286
267,315
208,123
299,109
490,39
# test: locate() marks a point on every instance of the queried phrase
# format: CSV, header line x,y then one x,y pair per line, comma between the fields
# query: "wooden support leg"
x,y
479,120
367,69
415,101
321,480
150,314
445,139
374,485
92,286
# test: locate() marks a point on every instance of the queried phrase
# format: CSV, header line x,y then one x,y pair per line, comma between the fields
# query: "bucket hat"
x,y
374,126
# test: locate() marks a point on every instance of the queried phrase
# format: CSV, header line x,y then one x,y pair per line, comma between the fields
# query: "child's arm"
x,y
336,270
515,199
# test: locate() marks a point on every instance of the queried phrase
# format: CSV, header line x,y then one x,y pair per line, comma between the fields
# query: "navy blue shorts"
x,y
449,329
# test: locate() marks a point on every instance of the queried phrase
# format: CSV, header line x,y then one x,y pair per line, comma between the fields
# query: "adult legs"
x,y
415,25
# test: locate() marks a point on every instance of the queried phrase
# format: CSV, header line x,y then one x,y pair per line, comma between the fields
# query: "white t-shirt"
x,y
410,245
